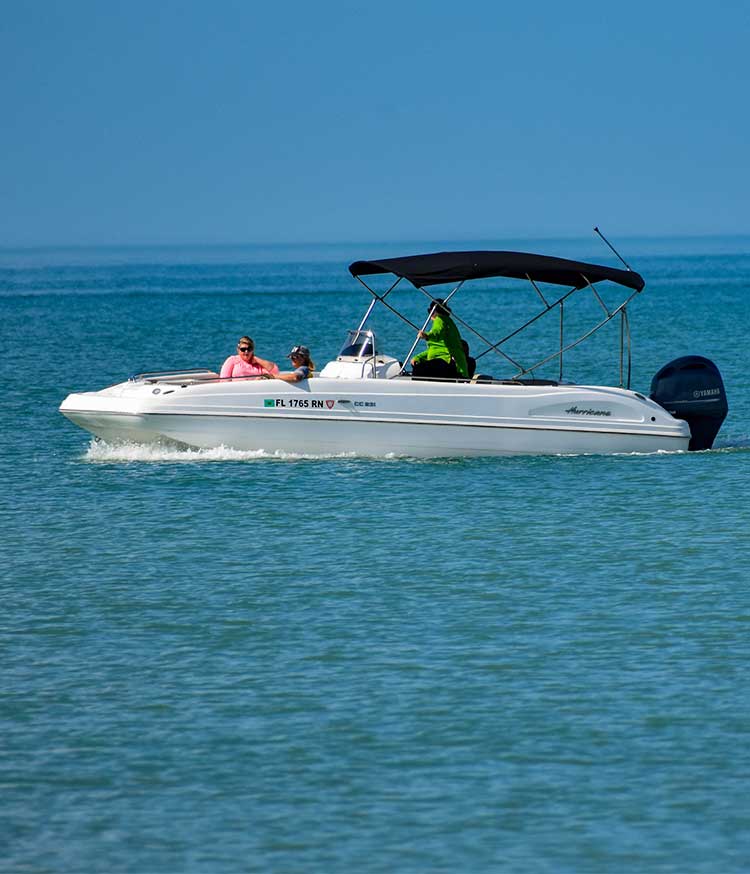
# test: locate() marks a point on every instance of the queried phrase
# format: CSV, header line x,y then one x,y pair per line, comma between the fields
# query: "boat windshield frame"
x,y
359,343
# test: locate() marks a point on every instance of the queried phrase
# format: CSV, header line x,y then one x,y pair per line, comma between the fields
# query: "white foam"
x,y
100,451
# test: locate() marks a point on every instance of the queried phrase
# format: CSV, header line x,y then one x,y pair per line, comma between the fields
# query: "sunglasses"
x,y
244,349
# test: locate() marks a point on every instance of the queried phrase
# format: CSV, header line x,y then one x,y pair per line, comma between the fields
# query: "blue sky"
x,y
187,122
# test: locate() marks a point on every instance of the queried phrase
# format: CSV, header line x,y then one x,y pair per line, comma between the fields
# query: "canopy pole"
x,y
626,321
596,295
381,298
491,347
582,337
538,291
562,318
495,347
375,299
444,299
416,340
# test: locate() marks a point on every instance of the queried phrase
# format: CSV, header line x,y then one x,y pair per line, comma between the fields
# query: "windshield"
x,y
359,344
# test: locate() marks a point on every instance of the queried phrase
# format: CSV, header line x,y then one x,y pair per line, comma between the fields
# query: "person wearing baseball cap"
x,y
302,363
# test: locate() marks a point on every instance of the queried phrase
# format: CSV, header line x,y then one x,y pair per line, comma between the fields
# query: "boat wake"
x,y
101,452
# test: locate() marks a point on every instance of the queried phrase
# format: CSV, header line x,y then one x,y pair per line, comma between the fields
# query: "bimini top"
x,y
441,267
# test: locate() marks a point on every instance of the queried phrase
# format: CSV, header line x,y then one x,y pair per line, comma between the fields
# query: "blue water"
x,y
233,661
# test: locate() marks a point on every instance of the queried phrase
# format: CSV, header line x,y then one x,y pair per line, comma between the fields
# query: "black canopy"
x,y
441,267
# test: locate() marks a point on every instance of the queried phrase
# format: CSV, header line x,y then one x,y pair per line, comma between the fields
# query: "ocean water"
x,y
229,661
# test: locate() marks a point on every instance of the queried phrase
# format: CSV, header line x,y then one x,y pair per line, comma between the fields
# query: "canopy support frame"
x,y
625,337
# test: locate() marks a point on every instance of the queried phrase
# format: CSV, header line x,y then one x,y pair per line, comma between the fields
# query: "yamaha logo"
x,y
706,392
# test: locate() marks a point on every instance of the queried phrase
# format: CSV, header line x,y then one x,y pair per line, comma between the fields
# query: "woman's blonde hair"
x,y
309,362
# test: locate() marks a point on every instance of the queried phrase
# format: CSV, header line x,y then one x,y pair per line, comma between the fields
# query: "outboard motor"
x,y
691,388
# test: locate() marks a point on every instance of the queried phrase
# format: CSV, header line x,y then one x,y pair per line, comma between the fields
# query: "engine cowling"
x,y
691,388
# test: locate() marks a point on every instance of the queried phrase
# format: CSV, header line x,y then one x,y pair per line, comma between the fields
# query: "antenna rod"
x,y
596,230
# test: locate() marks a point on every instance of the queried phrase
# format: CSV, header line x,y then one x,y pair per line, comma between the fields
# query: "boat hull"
x,y
380,417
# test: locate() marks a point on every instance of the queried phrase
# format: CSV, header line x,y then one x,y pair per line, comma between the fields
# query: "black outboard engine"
x,y
691,388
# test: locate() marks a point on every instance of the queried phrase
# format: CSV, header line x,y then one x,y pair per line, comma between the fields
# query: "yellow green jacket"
x,y
444,341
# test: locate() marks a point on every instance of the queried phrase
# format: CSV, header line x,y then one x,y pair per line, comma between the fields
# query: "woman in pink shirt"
x,y
246,362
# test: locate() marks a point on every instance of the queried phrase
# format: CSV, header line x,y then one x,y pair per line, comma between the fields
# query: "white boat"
x,y
366,402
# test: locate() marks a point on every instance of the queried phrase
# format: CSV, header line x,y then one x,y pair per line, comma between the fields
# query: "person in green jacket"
x,y
444,356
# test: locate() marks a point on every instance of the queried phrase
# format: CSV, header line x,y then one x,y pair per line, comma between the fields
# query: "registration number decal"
x,y
298,402
311,403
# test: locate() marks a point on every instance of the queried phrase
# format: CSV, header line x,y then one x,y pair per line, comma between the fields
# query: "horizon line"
x,y
235,244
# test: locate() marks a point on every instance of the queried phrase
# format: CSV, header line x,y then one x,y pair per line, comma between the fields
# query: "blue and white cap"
x,y
299,350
